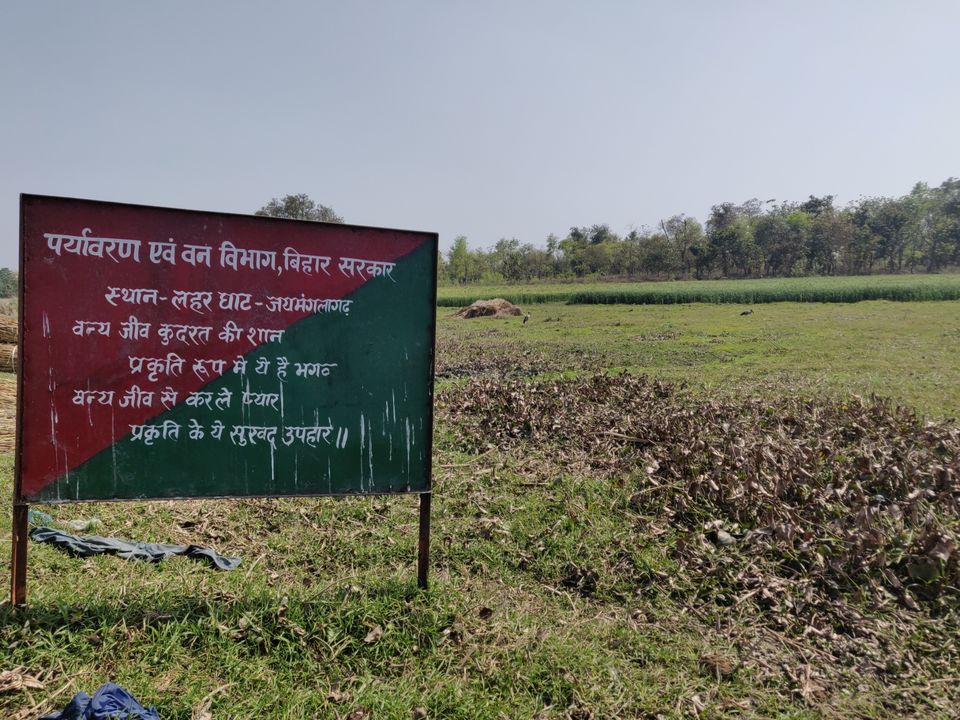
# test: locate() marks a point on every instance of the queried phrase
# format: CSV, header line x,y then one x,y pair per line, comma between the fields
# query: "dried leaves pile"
x,y
843,497
470,359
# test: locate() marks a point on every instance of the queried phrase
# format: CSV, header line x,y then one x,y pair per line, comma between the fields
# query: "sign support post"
x,y
21,510
423,553
18,564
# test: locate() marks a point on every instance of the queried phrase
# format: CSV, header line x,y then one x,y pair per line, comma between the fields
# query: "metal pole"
x,y
19,538
18,564
423,554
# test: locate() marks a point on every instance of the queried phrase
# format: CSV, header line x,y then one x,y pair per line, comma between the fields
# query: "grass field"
x,y
815,289
909,352
573,575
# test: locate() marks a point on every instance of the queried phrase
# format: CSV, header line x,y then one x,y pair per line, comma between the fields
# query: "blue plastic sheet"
x,y
109,702
87,545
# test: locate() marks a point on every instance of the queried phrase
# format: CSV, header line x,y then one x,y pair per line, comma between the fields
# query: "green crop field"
x,y
670,511
908,351
816,289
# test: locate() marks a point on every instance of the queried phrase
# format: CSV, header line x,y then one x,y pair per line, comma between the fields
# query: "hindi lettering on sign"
x,y
305,304
261,399
373,268
86,246
308,435
313,369
223,399
196,255
234,257
253,342
295,261
135,397
90,327
184,334
163,252
89,397
169,366
196,430
149,434
168,397
208,368
262,336
235,301
133,329
242,435
132,296
196,300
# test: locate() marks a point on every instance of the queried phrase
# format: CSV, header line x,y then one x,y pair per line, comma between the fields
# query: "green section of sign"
x,y
364,428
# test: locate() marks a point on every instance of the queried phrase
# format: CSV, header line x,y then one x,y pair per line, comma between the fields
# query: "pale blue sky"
x,y
489,119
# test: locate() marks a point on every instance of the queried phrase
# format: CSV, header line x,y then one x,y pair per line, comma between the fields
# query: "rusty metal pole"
x,y
18,564
423,553
19,536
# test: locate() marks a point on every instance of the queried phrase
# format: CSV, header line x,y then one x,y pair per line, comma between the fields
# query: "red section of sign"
x,y
61,289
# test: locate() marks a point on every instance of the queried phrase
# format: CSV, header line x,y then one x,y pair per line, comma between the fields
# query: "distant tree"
x,y
601,234
944,246
458,260
506,260
8,282
573,247
658,255
629,254
299,207
817,205
831,234
864,244
442,271
782,237
730,235
598,258
687,237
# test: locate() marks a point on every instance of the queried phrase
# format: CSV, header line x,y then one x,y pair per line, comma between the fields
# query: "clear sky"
x,y
489,119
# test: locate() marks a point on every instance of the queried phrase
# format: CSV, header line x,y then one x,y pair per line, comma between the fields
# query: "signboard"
x,y
182,354
173,353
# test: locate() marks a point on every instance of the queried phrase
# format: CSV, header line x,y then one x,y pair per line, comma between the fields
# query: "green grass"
x,y
815,289
503,632
288,635
907,351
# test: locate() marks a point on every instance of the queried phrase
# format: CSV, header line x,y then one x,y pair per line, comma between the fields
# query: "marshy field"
x,y
742,506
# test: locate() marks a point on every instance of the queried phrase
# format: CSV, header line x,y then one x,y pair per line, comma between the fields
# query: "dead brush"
x,y
842,496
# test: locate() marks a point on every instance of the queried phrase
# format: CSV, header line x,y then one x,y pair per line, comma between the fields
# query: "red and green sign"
x,y
171,353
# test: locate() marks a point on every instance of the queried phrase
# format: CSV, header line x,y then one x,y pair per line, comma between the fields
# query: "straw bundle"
x,y
8,358
8,415
8,329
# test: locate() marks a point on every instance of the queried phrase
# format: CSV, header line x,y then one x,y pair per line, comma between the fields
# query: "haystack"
x,y
8,358
8,329
8,415
498,307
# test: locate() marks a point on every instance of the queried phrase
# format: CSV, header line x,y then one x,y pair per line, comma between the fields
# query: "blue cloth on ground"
x,y
109,702
39,518
87,545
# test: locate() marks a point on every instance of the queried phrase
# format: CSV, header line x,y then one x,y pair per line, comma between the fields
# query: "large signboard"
x,y
172,353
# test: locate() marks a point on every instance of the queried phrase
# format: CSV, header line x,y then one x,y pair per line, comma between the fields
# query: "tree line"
x,y
919,232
